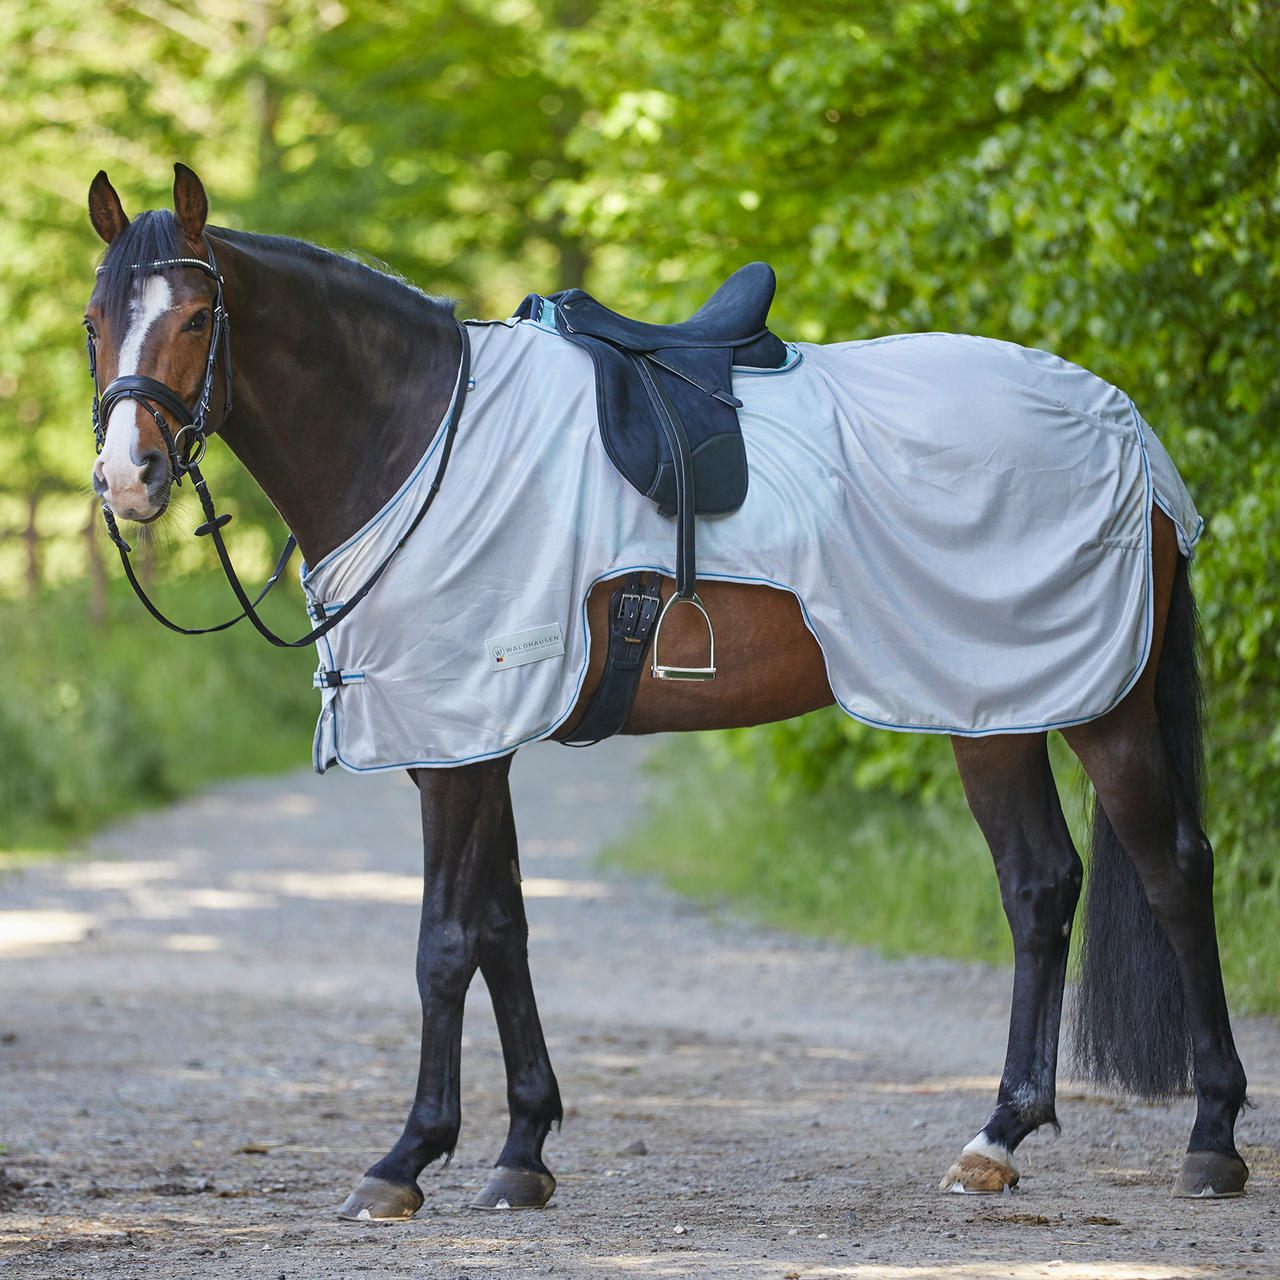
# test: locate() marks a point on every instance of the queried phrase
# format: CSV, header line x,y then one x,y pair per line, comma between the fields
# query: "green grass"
x,y
860,867
100,720
1249,937
878,869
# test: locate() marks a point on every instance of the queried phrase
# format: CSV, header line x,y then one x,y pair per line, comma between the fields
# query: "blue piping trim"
x,y
1186,541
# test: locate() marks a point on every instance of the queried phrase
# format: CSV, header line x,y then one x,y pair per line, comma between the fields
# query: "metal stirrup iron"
x,y
664,672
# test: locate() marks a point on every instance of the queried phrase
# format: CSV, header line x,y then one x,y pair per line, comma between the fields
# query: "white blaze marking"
x,y
119,469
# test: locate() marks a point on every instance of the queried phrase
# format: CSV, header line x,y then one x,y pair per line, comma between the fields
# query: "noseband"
x,y
186,448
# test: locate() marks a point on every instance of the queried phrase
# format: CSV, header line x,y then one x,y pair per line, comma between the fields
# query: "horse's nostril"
x,y
99,481
153,469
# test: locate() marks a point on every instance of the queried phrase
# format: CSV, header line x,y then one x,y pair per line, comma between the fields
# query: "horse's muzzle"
x,y
141,494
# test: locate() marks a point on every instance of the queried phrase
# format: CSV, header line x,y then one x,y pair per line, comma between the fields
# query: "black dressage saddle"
x,y
669,422
664,395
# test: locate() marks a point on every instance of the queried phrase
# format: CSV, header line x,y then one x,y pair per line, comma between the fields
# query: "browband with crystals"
x,y
173,262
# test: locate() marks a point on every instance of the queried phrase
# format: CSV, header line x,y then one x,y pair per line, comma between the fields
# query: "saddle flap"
x,y
637,445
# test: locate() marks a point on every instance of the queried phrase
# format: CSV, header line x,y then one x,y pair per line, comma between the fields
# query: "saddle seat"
x,y
734,316
664,392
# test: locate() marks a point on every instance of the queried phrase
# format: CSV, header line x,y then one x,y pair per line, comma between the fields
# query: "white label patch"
x,y
525,646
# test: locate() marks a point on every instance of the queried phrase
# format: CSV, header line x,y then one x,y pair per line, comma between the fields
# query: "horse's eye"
x,y
93,333
200,321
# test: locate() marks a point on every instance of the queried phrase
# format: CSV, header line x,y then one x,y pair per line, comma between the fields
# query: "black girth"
x,y
633,609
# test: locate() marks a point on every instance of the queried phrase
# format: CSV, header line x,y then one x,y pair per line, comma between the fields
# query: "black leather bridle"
x,y
149,393
187,446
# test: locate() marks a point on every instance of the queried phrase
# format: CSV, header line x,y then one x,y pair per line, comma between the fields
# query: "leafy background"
x,y
1099,179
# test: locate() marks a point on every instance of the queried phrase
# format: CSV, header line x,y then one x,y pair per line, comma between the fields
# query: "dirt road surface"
x,y
209,1030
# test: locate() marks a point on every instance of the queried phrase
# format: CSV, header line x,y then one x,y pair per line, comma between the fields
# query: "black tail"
x,y
1130,1029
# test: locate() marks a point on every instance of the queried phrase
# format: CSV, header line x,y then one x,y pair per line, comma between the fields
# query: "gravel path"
x,y
210,1025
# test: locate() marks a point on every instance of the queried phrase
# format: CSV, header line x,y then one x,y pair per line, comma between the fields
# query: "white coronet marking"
x,y
117,463
982,1146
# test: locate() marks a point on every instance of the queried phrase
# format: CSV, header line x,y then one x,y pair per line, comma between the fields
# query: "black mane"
x,y
376,275
154,236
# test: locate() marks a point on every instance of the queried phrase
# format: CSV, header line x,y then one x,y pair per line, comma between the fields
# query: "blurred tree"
x,y
60,91
1100,180
423,134
1097,179
420,133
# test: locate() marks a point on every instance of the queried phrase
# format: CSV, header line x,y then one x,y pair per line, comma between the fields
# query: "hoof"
x,y
977,1175
515,1189
1211,1175
377,1200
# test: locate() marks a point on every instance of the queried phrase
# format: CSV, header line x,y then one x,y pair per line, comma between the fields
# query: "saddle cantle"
x,y
734,316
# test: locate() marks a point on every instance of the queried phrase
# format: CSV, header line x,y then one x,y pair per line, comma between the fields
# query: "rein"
x,y
187,446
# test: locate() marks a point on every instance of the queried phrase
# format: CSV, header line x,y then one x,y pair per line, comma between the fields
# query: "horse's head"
x,y
155,322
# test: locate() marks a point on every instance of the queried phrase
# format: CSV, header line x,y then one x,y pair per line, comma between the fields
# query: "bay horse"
x,y
342,377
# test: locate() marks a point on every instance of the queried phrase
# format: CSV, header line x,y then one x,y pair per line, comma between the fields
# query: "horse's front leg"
x,y
466,818
1010,788
520,1180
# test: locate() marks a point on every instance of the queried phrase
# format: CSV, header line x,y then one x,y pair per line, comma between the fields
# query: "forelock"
x,y
151,237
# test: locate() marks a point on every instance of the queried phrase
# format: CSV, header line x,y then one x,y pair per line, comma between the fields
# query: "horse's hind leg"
x,y
1147,813
1143,988
1010,788
520,1180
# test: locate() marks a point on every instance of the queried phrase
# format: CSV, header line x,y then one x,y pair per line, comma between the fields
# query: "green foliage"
x,y
423,134
97,720
1097,180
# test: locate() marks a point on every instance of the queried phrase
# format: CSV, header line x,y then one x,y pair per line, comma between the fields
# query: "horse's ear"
x,y
105,210
190,203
